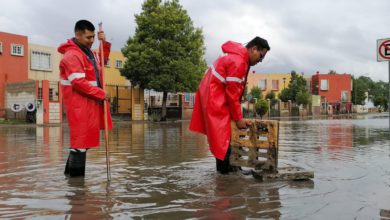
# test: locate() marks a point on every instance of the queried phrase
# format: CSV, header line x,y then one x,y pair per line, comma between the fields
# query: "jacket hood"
x,y
235,48
68,45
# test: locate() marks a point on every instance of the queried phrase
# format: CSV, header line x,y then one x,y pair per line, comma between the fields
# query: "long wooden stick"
x,y
105,106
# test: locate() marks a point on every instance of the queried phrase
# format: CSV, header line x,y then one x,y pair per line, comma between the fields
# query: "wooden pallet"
x,y
257,147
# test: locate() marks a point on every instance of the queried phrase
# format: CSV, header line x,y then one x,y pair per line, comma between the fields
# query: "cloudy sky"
x,y
304,35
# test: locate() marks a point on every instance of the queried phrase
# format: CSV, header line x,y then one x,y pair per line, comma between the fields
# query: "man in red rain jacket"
x,y
81,84
217,100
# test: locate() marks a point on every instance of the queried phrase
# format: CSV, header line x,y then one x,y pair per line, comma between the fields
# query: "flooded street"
x,y
163,171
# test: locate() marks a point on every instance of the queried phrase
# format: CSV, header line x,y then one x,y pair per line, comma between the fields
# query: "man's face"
x,y
256,55
85,38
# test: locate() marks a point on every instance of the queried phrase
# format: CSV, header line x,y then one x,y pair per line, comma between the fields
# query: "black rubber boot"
x,y
75,165
223,166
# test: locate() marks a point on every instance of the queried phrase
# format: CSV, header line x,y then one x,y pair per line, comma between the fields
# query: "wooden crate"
x,y
256,146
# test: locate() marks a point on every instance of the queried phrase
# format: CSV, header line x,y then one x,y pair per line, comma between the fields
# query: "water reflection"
x,y
84,204
163,171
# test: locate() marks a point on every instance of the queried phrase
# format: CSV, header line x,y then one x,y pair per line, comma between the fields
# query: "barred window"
x,y
40,60
118,64
17,50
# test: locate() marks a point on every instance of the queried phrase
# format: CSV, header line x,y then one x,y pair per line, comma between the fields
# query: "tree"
x,y
297,84
166,53
261,107
358,91
255,94
285,95
303,98
332,72
379,93
272,97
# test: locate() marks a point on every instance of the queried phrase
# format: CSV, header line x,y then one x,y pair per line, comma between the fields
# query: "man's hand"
x,y
243,123
107,97
101,36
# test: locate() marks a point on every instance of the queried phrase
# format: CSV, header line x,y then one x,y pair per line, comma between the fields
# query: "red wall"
x,y
12,68
336,84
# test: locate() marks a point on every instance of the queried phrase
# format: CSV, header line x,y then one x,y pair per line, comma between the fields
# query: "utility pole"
x,y
383,54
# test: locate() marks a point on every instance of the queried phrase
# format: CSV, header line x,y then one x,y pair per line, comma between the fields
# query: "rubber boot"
x,y
75,165
223,166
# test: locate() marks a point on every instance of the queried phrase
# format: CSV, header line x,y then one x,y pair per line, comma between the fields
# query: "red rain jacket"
x,y
217,100
81,95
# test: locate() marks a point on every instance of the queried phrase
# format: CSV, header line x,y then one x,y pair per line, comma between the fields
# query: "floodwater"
x,y
163,171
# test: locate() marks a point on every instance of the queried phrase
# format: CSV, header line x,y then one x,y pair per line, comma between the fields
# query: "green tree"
x,y
261,107
166,53
379,93
255,94
297,83
303,98
285,95
360,86
272,97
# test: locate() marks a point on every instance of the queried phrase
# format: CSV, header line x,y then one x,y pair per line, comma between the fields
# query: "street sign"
x,y
383,49
383,54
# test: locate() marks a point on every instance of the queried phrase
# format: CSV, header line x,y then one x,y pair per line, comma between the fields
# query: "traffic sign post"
x,y
383,54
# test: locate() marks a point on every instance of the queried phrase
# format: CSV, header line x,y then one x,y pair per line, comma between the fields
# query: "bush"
x,y
247,113
155,116
261,107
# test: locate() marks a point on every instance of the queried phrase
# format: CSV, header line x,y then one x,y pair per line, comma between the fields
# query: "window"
x,y
118,64
344,96
263,84
39,93
187,97
51,94
17,50
53,91
1,47
324,84
107,64
275,84
40,60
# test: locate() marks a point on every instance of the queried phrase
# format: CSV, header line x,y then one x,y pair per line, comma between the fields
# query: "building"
x,y
334,90
44,69
274,82
13,63
126,99
44,63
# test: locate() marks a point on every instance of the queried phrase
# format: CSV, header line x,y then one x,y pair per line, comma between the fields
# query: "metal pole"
x,y
105,107
388,105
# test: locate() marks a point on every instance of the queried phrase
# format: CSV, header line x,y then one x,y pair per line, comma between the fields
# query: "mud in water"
x,y
163,171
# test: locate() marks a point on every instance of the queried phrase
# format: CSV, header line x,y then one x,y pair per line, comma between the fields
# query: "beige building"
x,y
268,82
43,63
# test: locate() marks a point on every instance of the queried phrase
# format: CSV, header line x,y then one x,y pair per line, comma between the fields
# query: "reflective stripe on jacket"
x,y
82,97
217,100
